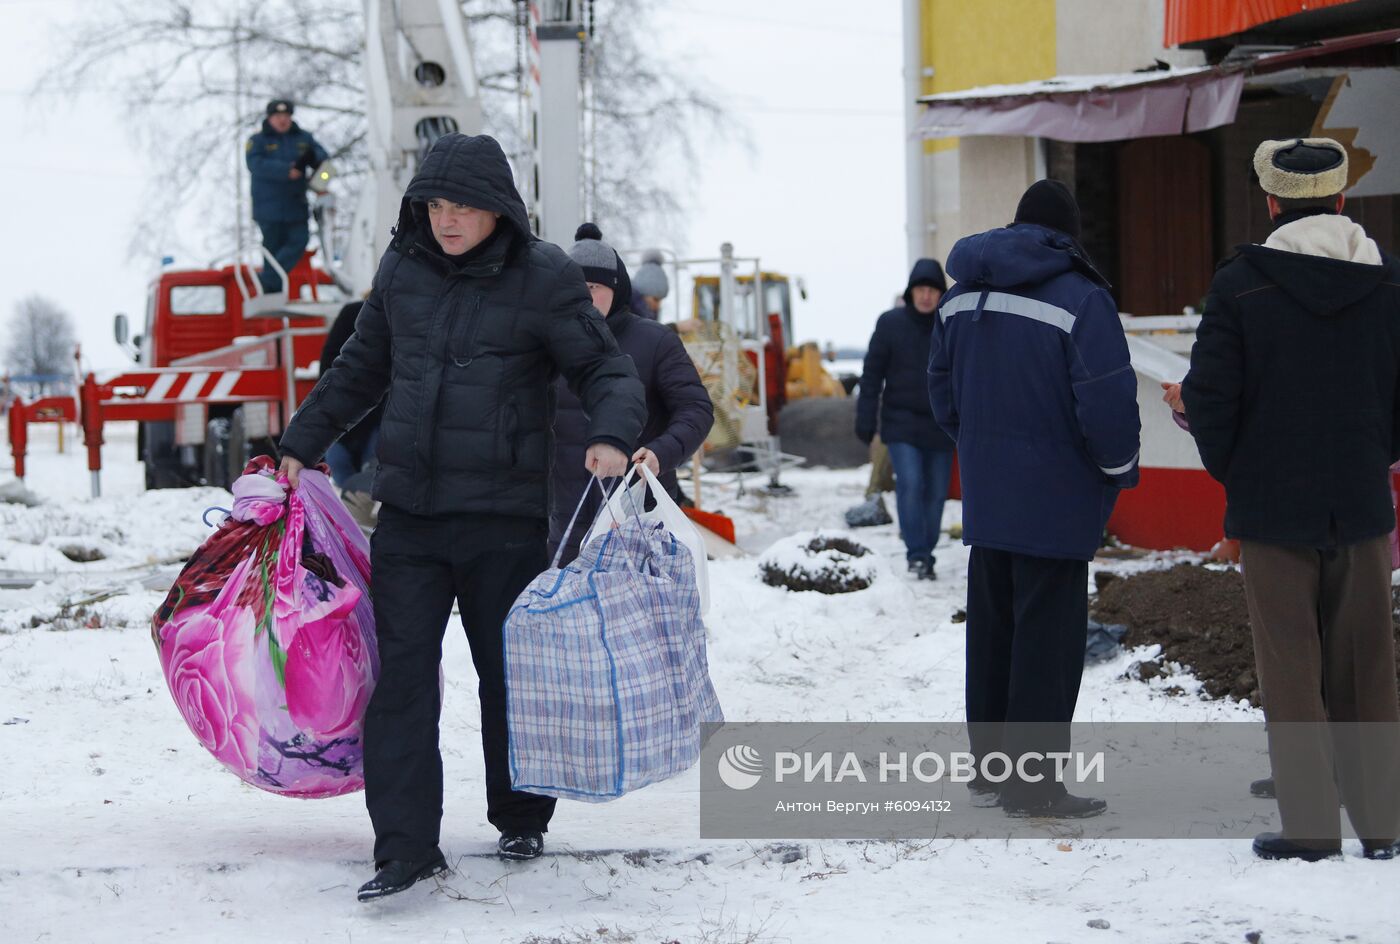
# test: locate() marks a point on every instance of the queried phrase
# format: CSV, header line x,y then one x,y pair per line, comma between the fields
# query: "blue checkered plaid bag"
x,y
606,677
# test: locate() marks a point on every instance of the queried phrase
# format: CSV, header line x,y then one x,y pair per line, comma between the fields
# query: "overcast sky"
x,y
820,195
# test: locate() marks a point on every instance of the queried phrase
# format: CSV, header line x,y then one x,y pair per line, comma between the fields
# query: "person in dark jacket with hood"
x,y
1030,376
894,390
280,160
469,321
349,455
1293,398
679,411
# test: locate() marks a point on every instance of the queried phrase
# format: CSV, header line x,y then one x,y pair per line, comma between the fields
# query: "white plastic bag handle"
x,y
684,530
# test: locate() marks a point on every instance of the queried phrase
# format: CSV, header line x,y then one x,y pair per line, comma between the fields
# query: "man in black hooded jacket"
x,y
894,392
469,321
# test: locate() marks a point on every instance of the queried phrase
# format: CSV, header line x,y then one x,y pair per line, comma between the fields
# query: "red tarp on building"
x,y
1189,21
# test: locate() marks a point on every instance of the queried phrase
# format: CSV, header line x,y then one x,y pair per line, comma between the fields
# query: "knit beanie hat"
x,y
280,106
597,259
1049,203
650,279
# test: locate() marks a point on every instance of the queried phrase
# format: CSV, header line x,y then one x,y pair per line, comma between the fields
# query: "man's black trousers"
x,y
419,566
1027,624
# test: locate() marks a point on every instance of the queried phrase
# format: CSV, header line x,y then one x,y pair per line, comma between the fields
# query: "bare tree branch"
x,y
193,76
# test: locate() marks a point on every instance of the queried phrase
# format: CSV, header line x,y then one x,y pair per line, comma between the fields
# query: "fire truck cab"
x,y
192,430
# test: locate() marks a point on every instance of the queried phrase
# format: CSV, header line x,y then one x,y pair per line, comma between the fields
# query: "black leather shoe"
x,y
520,845
1381,852
396,875
1068,806
1264,789
1274,846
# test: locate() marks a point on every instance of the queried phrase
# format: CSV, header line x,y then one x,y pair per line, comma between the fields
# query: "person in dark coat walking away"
x,y
280,160
1030,375
894,402
1292,399
351,457
679,411
650,286
353,452
469,321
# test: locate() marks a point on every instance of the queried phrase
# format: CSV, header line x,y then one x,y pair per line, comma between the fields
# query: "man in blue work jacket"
x,y
1030,376
281,158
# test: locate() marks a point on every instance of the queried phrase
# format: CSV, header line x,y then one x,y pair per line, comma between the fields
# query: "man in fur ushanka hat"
x,y
1293,401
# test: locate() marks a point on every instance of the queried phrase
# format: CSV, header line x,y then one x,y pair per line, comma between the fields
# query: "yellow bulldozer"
x,y
803,373
761,384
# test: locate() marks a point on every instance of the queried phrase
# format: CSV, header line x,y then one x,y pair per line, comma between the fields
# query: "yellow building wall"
x,y
984,42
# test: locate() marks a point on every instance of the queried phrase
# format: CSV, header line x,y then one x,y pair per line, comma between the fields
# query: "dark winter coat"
x,y
894,382
468,350
1292,395
341,330
270,157
679,414
640,306
1030,375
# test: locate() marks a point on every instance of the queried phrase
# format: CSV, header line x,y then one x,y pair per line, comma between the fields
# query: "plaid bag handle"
x,y
593,480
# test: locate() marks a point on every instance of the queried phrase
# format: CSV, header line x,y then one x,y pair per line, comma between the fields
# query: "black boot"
x,y
396,875
521,844
1381,852
1264,789
983,797
1275,846
1067,806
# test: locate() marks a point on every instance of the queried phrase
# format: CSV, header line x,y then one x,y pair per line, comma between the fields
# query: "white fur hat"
x,y
1301,168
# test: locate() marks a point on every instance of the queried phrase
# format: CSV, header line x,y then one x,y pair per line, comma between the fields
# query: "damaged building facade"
x,y
1150,112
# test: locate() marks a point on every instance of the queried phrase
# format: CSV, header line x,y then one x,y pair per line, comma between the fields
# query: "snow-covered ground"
x,y
115,825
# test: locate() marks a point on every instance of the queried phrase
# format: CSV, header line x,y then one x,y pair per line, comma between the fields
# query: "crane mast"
x,y
556,184
421,84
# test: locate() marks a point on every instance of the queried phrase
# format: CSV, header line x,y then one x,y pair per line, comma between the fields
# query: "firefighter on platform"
x,y
281,159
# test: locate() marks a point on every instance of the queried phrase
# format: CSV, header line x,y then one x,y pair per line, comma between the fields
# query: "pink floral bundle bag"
x,y
267,637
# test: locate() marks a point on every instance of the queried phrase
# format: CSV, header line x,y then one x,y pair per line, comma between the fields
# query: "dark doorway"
x,y
1165,258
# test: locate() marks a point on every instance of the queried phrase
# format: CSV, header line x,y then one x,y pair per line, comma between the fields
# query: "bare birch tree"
x,y
41,340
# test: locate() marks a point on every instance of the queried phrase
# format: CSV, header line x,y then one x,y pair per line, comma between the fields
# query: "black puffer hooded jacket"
x,y
467,349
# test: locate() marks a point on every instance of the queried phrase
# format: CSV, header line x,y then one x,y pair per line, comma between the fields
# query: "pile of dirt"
x,y
1197,615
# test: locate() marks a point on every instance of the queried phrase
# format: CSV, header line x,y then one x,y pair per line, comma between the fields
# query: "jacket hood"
x,y
1322,285
925,272
467,169
1019,254
622,295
